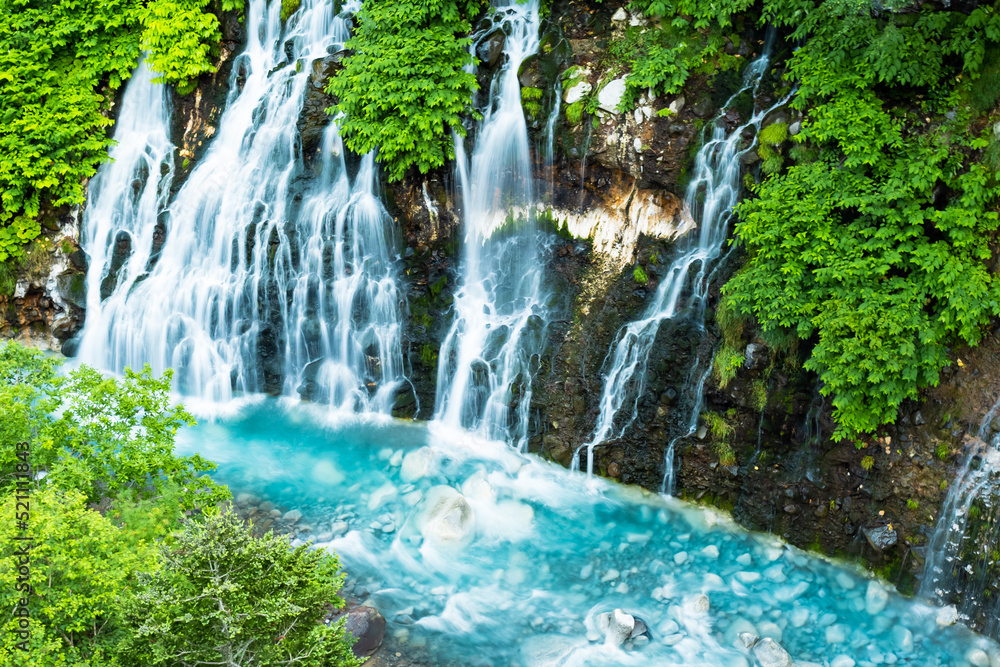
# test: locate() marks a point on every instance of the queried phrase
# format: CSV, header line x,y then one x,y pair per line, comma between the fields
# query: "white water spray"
x,y
711,196
485,367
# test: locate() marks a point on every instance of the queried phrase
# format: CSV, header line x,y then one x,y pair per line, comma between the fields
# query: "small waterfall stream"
x,y
710,197
972,495
485,365
252,291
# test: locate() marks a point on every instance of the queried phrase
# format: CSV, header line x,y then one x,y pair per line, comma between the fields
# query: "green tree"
x,y
404,90
225,597
100,436
80,566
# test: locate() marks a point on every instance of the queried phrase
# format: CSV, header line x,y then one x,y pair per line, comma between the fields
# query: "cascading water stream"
x,y
124,199
485,367
710,197
974,491
251,291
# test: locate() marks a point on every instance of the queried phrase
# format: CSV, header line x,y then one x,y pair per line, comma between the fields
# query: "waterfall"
x,y
485,366
124,198
974,491
711,195
254,290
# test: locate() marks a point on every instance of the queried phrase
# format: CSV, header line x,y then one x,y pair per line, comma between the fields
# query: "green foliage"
x,y
531,100
61,62
719,428
684,37
574,112
223,594
868,462
80,565
727,457
404,89
875,251
942,451
774,134
428,355
639,275
289,7
95,435
730,355
912,503
179,36
758,396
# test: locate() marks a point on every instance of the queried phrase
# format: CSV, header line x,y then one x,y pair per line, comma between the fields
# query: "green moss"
x,y
640,275
717,425
531,100
574,112
428,356
758,395
439,285
289,7
774,134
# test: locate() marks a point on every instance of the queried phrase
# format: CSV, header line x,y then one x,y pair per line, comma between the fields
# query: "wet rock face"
x,y
313,118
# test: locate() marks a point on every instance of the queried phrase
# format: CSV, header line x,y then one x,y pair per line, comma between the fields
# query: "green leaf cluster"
x,y
682,38
222,593
874,251
404,89
61,62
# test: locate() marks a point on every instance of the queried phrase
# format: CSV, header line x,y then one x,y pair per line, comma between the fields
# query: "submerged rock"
x,y
769,653
617,626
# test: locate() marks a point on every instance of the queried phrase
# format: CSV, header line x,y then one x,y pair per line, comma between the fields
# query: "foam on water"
x,y
491,557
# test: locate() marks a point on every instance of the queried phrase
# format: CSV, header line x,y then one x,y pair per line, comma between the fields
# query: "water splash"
x,y
710,198
251,290
485,367
960,559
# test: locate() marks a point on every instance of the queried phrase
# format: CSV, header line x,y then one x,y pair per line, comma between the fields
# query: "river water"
x,y
479,555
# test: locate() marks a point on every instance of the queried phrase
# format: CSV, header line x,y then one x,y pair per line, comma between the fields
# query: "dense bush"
x,y
403,91
61,62
873,247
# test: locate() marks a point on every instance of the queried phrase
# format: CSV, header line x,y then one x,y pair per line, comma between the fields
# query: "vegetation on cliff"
x,y
121,528
60,65
404,90
873,245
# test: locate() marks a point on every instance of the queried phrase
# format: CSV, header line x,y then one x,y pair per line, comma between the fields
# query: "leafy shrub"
x,y
875,252
639,275
61,62
404,89
223,594
774,134
718,426
79,567
868,462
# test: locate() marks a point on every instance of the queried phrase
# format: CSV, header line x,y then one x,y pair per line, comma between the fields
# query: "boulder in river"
x,y
769,653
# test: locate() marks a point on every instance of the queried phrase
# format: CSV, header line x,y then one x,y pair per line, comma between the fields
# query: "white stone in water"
x,y
876,598
611,95
417,464
610,575
902,638
748,577
339,528
478,488
617,626
447,518
770,654
874,655
978,658
700,603
413,498
789,593
638,538
837,633
711,551
670,640
292,516
738,627
769,629
842,661
681,557
621,588
745,560
668,627
385,453
383,493
798,616
748,639
396,459
846,580
375,525
586,571
755,611
712,580
389,527
772,554
947,616
775,573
